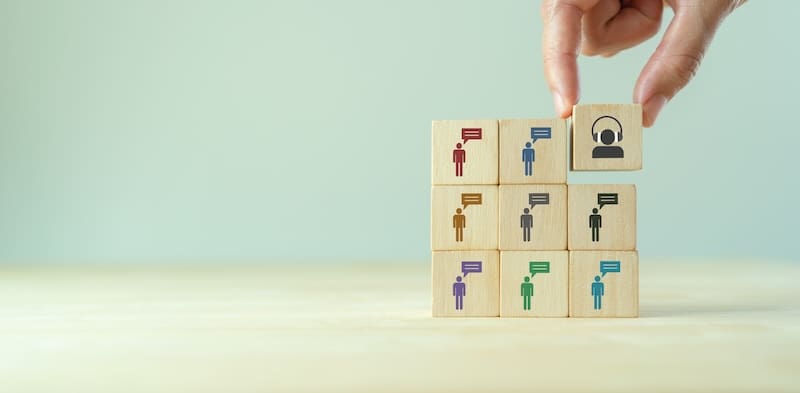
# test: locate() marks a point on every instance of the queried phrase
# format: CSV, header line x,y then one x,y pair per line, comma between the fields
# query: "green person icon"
x,y
526,291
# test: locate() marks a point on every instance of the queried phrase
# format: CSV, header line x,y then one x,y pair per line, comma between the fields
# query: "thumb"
x,y
676,60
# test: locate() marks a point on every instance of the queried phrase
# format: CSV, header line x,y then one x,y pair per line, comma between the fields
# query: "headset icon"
x,y
617,135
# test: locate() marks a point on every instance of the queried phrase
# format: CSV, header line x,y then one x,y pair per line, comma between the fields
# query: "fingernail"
x,y
652,108
559,103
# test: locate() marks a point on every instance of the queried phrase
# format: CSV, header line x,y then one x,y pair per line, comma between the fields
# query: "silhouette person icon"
x,y
459,158
459,291
526,222
459,223
595,223
598,290
608,137
526,291
528,157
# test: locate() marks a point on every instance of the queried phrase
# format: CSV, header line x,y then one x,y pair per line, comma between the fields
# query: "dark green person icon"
x,y
526,291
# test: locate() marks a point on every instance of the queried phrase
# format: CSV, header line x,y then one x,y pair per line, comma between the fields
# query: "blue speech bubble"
x,y
609,267
541,133
471,267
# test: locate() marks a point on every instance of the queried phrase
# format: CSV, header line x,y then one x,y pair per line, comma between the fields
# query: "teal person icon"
x,y
526,291
598,290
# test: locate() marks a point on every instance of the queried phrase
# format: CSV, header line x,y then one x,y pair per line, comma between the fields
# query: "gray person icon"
x,y
526,223
595,223
609,129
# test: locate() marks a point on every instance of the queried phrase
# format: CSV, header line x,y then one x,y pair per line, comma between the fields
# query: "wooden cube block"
x,y
533,151
602,216
464,218
607,137
534,283
533,217
464,152
604,284
466,283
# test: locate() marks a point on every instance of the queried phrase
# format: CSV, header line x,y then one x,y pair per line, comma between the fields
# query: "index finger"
x,y
561,41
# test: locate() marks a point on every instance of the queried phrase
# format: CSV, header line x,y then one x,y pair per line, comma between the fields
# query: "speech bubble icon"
x,y
607,199
468,134
609,267
541,133
539,267
471,267
471,199
538,198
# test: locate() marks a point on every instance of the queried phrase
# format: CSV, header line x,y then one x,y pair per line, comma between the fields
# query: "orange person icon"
x,y
459,223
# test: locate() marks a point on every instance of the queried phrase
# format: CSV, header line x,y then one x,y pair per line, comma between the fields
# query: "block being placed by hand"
x,y
464,152
464,218
534,283
601,216
533,151
604,284
533,217
466,283
607,137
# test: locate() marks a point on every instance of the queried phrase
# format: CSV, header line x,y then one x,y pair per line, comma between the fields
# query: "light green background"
x,y
264,130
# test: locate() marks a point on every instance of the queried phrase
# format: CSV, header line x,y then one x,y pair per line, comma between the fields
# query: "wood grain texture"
x,y
482,297
479,229
618,231
550,290
583,145
550,164
549,229
621,290
294,326
481,156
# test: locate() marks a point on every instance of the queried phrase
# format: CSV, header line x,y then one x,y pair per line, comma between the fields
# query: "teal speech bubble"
x,y
609,267
539,267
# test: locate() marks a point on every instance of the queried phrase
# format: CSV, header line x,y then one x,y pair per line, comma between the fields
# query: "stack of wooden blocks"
x,y
511,238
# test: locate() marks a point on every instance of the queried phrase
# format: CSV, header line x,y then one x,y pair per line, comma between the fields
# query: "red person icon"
x,y
459,158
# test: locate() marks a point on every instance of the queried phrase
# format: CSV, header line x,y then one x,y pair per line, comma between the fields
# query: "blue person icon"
x,y
528,157
598,290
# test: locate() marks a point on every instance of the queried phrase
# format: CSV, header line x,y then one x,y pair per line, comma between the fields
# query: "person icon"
x,y
608,137
595,223
598,290
526,291
528,157
459,158
459,291
459,223
526,222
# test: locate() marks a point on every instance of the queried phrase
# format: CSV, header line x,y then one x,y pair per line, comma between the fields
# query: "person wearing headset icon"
x,y
611,133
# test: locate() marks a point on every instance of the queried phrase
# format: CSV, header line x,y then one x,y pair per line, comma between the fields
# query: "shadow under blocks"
x,y
510,237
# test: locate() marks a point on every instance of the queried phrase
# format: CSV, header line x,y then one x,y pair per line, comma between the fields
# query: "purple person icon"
x,y
459,291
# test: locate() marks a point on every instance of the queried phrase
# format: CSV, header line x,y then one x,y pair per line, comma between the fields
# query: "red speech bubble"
x,y
468,134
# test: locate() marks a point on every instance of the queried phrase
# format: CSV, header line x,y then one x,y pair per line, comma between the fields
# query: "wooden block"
x,y
464,218
602,216
527,222
607,137
534,283
466,283
595,294
533,151
464,152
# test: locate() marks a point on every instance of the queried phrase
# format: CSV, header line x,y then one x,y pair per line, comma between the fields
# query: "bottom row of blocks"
x,y
535,283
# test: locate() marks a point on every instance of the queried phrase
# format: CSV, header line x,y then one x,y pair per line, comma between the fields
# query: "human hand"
x,y
605,27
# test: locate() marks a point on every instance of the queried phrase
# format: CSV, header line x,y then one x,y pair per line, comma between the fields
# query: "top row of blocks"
x,y
605,137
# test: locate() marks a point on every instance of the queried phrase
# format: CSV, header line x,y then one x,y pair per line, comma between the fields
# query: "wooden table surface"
x,y
704,327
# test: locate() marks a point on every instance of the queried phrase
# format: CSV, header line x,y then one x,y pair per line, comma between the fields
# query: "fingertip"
x,y
652,108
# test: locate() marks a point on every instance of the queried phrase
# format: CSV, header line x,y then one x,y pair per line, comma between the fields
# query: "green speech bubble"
x,y
539,267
